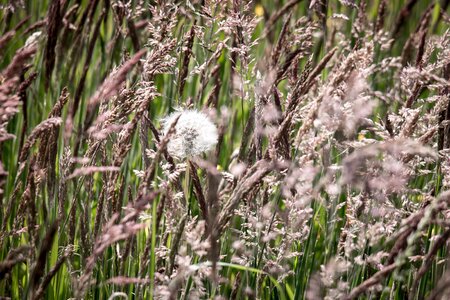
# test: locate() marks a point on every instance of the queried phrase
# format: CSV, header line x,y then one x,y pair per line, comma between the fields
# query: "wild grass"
x,y
315,166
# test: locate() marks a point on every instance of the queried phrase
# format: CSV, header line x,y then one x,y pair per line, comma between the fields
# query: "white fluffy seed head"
x,y
194,133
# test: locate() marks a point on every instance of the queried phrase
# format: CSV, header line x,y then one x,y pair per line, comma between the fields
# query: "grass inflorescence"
x,y
224,149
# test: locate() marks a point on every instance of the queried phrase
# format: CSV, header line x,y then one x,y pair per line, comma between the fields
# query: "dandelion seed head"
x,y
194,134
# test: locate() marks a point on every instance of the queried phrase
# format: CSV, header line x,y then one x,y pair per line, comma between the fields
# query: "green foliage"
x,y
37,192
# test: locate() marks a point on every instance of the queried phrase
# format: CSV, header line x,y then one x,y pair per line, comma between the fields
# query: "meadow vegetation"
x,y
224,149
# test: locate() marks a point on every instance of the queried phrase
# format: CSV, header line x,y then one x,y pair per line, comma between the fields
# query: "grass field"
x,y
211,149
